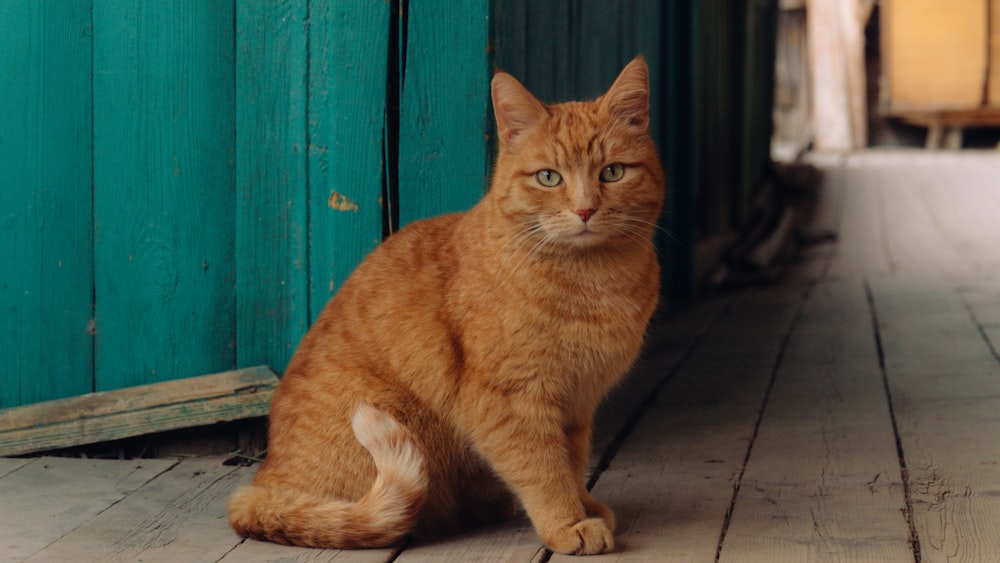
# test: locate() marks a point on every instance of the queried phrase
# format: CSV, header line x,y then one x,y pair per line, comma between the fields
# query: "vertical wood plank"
x,y
164,195
348,50
510,36
46,257
646,33
682,138
836,50
598,46
443,126
550,30
272,305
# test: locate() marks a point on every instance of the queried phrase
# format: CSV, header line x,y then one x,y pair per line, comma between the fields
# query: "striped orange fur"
x,y
454,377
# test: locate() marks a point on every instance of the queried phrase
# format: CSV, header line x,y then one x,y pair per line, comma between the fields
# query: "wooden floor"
x,y
850,413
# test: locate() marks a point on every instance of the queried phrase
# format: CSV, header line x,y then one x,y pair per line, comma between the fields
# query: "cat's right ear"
x,y
515,108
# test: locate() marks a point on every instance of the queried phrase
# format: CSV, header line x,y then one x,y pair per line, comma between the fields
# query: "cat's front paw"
x,y
597,509
587,537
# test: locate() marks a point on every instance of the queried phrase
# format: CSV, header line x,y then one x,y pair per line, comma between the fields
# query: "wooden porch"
x,y
850,412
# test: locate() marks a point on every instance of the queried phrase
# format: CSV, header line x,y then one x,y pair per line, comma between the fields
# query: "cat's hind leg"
x,y
383,516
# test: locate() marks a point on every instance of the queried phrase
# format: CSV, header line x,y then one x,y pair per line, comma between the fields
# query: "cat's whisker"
x,y
656,227
518,243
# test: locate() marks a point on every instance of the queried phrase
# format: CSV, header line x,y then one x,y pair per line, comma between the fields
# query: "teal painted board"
x,y
720,116
645,37
761,20
522,29
599,52
272,288
348,50
164,195
443,134
551,30
510,23
681,139
46,259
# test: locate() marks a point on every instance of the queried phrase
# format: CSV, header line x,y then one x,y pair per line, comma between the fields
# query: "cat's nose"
x,y
586,214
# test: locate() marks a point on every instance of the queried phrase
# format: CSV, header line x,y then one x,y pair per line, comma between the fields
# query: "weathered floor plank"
x,y
511,542
861,246
180,515
944,383
9,465
823,482
251,551
50,497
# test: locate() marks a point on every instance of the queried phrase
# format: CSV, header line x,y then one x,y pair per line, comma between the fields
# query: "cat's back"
x,y
390,304
406,271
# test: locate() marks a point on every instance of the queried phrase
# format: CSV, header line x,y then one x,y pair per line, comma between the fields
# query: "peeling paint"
x,y
341,202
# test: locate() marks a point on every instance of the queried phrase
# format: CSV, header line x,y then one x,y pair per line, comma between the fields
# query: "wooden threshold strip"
x,y
123,413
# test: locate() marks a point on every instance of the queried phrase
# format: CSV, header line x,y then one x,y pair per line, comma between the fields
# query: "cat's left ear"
x,y
628,97
516,110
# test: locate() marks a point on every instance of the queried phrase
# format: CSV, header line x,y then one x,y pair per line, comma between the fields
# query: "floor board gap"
x,y
982,332
904,472
727,519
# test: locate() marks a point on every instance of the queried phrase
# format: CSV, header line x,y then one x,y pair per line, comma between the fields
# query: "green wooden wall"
x,y
184,184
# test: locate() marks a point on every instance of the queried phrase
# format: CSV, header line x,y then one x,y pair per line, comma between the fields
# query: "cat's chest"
x,y
578,327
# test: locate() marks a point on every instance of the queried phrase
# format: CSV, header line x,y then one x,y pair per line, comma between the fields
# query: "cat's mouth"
x,y
586,235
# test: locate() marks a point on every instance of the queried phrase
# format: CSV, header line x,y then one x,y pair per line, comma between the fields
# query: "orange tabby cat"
x,y
456,373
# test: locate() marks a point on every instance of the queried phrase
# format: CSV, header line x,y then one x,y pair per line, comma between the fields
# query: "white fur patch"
x,y
396,455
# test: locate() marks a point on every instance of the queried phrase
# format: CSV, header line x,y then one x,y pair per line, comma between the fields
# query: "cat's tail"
x,y
381,518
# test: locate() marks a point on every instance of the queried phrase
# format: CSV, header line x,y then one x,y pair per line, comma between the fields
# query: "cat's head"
x,y
578,174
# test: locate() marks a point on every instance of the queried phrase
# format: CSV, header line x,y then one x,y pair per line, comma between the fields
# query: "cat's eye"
x,y
548,178
612,172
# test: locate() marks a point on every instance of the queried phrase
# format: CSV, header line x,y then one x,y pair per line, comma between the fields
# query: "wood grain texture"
x,y
348,50
823,481
10,465
272,287
598,47
443,119
179,516
46,258
252,551
945,386
144,409
163,190
31,521
511,541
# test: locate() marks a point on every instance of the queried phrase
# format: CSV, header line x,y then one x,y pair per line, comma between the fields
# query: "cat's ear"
x,y
628,97
515,108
